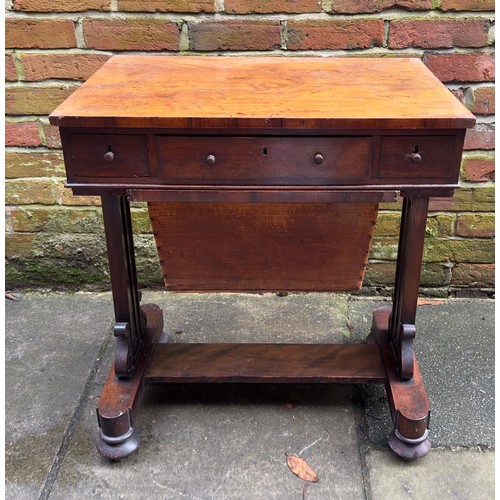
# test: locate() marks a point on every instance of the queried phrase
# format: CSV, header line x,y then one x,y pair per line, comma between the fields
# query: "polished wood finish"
x,y
262,174
263,246
265,363
262,92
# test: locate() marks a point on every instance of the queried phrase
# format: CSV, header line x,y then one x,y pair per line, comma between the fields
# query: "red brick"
x,y
235,35
166,5
25,134
478,169
362,6
483,101
10,69
131,34
473,67
272,6
482,136
339,34
473,275
35,100
479,5
438,33
476,226
52,139
63,66
66,6
40,33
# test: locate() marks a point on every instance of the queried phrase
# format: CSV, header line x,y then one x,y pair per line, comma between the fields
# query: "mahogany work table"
x,y
262,174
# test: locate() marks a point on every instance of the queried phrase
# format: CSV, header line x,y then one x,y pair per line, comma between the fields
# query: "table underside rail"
x,y
265,363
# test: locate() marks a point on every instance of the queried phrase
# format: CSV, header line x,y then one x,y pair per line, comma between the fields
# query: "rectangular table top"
x,y
191,92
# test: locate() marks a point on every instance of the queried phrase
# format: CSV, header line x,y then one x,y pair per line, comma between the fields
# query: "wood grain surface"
x,y
262,92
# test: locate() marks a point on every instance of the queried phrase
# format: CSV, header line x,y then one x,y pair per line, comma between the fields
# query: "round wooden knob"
x,y
318,158
416,158
109,156
211,159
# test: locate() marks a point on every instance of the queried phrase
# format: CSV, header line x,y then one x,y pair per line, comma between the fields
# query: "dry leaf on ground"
x,y
301,468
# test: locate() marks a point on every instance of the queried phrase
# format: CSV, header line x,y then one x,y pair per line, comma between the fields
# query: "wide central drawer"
x,y
264,160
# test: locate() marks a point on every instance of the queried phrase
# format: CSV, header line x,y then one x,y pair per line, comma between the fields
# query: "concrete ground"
x,y
230,441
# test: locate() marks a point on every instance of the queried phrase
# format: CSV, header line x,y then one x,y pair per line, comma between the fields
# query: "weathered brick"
x,y
337,34
33,164
461,200
65,197
66,6
362,6
483,199
481,100
18,245
24,134
51,136
57,219
40,33
166,5
476,225
383,273
479,251
482,136
61,65
478,168
473,67
388,224
473,275
438,33
475,5
234,35
131,34
27,191
271,6
31,100
10,69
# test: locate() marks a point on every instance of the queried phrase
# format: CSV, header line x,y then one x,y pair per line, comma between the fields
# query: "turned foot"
x,y
409,449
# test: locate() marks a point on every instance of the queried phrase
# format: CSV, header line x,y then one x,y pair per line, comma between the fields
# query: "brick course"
x,y
51,47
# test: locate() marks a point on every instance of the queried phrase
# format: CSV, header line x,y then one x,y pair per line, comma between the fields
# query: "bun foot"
x,y
116,448
409,449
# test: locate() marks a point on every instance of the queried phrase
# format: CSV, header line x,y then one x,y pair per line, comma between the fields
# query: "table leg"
x,y
409,263
395,333
136,330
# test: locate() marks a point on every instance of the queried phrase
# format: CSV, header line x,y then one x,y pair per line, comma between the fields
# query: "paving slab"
x,y
51,344
455,347
457,475
229,441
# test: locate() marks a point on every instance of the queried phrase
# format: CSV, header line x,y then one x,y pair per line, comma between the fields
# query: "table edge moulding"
x,y
270,171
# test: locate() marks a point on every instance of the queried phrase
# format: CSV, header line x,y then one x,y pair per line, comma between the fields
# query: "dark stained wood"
x,y
265,363
264,160
265,92
263,246
408,400
120,398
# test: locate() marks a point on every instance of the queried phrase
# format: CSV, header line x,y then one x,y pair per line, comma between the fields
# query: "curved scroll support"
x,y
407,335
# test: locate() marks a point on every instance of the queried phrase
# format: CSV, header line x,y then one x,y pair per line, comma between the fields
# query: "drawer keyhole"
x,y
264,151
416,156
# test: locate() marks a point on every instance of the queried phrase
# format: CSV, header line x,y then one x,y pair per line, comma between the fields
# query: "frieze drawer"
x,y
110,156
264,160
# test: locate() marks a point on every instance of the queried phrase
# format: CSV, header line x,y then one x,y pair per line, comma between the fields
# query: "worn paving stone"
x,y
51,343
457,475
229,441
455,350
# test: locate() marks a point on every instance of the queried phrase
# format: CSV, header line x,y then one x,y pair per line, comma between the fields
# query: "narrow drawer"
x,y
417,158
264,160
116,156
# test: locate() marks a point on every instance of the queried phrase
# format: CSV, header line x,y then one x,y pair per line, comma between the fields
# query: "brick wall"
x,y
55,239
